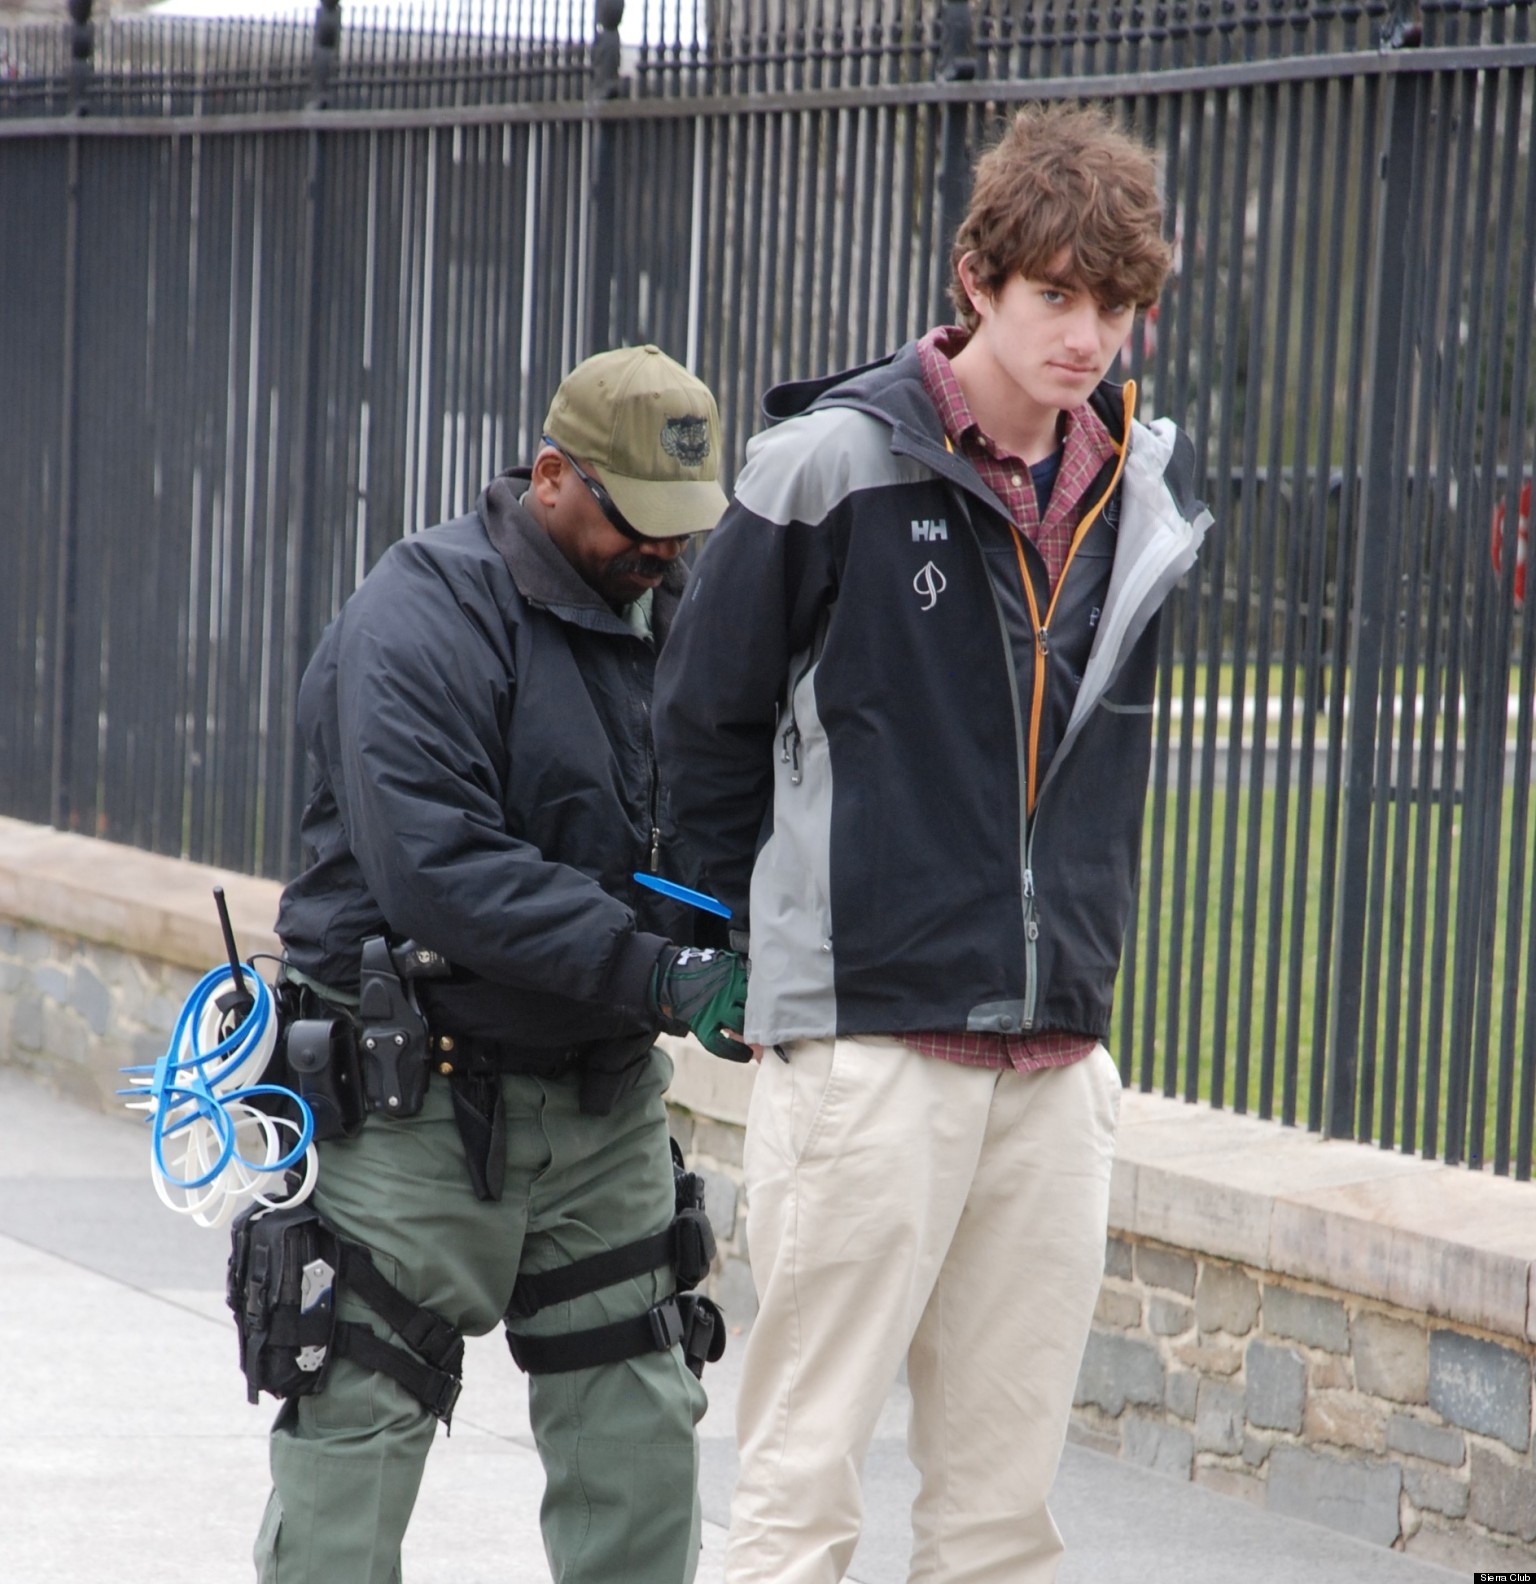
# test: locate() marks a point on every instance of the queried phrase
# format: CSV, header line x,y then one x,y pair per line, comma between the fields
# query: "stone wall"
x,y
1317,1404
72,1012
1340,1334
99,947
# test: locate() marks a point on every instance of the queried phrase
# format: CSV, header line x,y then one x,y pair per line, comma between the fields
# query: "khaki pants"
x,y
904,1207
618,1442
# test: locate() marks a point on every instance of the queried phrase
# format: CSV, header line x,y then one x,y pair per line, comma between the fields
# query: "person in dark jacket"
x,y
484,793
905,716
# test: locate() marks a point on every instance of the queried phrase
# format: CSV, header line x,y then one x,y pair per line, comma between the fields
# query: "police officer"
x,y
483,787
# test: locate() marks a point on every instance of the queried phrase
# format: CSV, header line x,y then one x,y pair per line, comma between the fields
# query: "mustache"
x,y
637,561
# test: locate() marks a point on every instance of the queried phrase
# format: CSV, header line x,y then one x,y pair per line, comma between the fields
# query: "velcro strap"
x,y
654,1331
539,1289
429,1334
296,1328
436,1390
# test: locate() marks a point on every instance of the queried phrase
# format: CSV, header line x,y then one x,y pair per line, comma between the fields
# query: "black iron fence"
x,y
274,293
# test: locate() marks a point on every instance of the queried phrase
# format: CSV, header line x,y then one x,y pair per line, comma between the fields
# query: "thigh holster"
x,y
285,1267
685,1319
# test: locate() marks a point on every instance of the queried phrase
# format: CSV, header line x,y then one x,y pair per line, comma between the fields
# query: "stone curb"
x,y
1435,1239
138,902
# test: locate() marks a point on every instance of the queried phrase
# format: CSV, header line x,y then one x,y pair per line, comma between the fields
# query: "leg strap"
x,y
435,1383
436,1390
687,1246
684,1319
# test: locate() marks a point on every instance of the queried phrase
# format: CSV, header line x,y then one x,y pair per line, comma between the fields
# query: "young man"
x,y
477,719
906,717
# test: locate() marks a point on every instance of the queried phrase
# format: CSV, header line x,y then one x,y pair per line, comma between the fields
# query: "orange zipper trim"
x,y
1042,629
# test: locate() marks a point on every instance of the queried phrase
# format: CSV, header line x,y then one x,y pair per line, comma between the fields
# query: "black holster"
x,y
285,1267
392,1037
281,1286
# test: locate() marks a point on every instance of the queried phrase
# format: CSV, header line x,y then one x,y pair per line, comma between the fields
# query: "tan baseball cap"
x,y
653,433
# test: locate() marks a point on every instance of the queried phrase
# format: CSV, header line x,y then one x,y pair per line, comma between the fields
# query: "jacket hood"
x,y
892,390
540,570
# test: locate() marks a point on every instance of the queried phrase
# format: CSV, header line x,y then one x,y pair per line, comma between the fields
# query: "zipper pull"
x,y
1029,882
1043,639
791,753
655,849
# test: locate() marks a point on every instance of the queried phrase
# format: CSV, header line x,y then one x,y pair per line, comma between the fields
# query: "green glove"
x,y
702,991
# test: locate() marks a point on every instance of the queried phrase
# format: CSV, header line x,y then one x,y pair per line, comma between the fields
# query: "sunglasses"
x,y
606,504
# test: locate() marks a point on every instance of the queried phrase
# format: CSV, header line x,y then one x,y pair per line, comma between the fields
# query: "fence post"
x,y
323,61
606,84
61,763
1378,522
957,63
82,47
305,541
66,550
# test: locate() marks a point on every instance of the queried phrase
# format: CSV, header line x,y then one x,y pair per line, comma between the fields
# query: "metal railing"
x,y
272,294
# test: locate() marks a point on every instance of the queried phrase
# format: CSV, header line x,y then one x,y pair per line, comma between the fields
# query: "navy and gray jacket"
x,y
483,781
918,784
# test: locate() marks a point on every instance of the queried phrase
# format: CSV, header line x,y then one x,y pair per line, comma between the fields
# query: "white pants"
x,y
901,1206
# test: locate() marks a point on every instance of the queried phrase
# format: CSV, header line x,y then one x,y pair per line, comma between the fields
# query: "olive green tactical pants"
x,y
618,1443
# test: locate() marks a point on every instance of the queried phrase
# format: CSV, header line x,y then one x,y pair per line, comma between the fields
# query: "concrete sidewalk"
x,y
129,1454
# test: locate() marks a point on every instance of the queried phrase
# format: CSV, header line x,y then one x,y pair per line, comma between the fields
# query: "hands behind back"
x,y
702,991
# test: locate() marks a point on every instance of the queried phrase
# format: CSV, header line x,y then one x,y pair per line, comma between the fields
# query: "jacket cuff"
x,y
629,975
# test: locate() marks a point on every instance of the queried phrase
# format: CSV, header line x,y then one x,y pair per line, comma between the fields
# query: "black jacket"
x,y
478,726
925,806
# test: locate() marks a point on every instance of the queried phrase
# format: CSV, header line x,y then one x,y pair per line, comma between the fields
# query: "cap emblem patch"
x,y
687,439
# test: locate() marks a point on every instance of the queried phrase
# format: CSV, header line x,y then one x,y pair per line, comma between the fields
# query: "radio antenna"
x,y
242,1000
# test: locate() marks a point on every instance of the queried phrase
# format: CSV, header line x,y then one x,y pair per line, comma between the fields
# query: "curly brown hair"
x,y
1064,178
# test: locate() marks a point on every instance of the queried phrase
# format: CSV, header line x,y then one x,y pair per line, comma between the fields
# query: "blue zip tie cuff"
x,y
681,893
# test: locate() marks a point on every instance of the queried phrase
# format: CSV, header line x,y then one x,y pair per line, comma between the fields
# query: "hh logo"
x,y
929,582
929,528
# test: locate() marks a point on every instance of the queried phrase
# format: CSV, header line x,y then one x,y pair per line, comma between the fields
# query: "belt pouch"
x,y
323,1070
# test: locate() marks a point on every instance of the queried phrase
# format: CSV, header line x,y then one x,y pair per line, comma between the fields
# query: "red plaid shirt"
x,y
1086,446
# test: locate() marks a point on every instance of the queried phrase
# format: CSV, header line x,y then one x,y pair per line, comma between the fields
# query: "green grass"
x,y
1209,1013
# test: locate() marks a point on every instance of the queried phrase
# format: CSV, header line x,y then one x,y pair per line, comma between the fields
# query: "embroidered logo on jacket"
x,y
930,582
928,528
